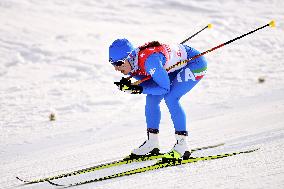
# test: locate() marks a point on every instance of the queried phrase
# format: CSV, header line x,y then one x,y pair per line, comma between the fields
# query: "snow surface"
x,y
54,58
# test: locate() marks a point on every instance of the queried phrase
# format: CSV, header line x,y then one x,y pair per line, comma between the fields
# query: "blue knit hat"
x,y
119,50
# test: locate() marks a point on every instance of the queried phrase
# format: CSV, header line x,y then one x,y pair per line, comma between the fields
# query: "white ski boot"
x,y
150,146
180,150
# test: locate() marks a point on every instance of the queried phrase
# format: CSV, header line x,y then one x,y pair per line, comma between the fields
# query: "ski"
x,y
160,164
126,160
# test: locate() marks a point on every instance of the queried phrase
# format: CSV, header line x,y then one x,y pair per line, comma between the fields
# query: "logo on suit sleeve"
x,y
152,71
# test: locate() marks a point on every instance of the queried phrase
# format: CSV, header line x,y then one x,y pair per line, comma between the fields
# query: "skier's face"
x,y
124,68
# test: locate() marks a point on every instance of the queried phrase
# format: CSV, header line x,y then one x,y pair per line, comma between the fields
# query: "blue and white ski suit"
x,y
170,87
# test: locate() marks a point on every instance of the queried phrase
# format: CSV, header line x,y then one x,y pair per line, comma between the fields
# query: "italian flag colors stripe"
x,y
199,73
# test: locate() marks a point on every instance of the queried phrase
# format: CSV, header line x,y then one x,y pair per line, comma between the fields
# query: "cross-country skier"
x,y
153,59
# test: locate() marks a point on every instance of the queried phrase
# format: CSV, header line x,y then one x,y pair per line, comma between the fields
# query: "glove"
x,y
125,85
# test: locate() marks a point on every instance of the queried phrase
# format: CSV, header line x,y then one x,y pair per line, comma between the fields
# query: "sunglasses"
x,y
118,63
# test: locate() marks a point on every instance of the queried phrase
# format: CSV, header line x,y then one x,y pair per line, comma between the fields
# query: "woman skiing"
x,y
167,82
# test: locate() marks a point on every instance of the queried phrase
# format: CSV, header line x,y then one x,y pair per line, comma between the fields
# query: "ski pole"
x,y
271,24
209,26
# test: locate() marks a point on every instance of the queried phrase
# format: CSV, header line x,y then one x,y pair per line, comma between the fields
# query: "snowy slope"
x,y
53,58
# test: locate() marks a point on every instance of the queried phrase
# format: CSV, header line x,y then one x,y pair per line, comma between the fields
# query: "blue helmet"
x,y
119,50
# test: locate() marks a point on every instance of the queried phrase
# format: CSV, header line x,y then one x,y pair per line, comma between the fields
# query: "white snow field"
x,y
54,58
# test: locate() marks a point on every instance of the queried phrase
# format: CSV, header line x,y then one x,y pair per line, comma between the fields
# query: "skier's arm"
x,y
154,67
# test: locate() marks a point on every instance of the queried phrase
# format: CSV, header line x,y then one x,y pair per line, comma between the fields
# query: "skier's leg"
x,y
180,86
152,111
185,80
153,117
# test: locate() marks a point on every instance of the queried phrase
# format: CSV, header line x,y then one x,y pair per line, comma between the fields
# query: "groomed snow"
x,y
54,58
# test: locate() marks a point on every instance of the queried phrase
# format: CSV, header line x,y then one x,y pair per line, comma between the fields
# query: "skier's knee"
x,y
152,103
170,99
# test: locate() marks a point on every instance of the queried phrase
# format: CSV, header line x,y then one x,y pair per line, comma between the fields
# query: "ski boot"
x,y
179,151
149,147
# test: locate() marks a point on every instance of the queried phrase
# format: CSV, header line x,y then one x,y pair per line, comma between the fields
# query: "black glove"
x,y
125,85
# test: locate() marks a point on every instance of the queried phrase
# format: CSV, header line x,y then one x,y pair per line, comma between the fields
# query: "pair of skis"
x,y
161,163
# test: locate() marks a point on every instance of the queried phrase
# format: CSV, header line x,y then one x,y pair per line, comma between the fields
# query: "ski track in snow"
x,y
53,57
